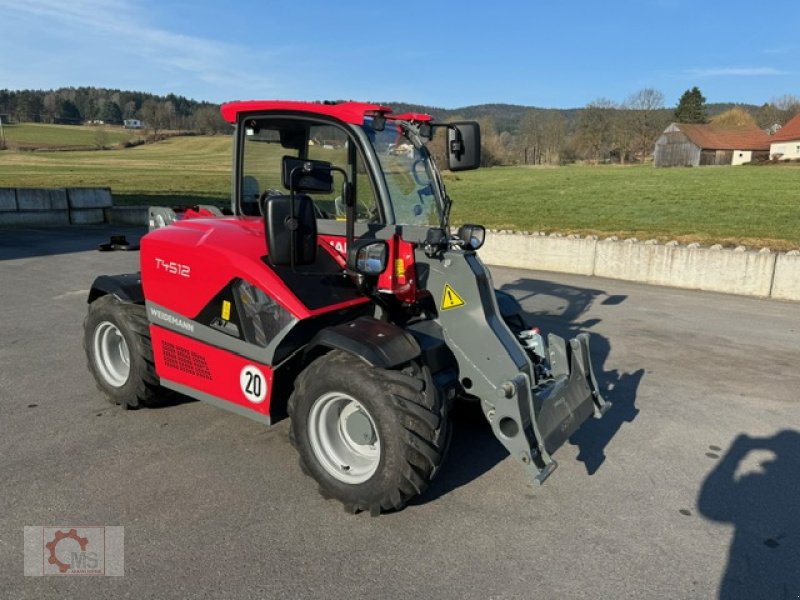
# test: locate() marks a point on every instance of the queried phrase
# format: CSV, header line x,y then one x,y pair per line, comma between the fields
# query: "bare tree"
x,y
788,103
155,115
595,132
645,120
554,133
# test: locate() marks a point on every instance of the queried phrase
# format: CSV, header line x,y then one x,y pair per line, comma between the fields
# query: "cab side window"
x,y
267,141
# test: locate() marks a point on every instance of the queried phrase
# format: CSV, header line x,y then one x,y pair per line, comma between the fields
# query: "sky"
x,y
542,53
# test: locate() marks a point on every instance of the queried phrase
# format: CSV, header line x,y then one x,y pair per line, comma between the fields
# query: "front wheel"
x,y
118,351
372,438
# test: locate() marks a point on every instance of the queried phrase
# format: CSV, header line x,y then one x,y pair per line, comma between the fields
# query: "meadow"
x,y
65,137
754,206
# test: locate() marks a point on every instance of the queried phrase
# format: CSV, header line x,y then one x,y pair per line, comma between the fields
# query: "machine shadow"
x,y
559,309
755,488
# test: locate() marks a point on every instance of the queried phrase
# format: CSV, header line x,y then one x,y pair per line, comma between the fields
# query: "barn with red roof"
x,y
693,145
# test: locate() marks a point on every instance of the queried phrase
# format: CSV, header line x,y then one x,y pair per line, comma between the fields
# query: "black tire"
x,y
408,412
141,386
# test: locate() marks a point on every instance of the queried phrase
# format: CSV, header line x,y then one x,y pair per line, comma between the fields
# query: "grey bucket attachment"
x,y
562,404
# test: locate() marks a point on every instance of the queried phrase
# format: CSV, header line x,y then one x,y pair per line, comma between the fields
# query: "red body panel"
x,y
349,112
210,370
418,117
186,264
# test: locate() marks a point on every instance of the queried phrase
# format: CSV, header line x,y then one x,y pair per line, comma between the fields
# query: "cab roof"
x,y
349,112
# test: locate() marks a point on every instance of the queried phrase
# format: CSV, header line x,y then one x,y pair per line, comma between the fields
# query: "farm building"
x,y
786,141
693,145
132,124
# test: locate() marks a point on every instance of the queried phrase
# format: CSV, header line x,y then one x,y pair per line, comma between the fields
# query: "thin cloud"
x,y
205,59
736,72
780,50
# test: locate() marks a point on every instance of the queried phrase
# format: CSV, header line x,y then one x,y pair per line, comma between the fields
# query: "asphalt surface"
x,y
688,488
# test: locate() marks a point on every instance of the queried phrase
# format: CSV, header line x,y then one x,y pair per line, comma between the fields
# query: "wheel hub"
x,y
344,438
111,354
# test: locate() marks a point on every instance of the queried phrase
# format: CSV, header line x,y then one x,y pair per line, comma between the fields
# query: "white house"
x,y
132,124
785,144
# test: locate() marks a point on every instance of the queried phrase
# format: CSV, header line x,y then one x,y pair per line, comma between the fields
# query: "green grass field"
x,y
731,205
42,136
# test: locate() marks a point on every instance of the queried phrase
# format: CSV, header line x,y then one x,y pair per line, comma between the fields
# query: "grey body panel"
x,y
214,401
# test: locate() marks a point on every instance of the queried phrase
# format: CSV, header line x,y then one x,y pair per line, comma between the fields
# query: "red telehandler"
x,y
336,295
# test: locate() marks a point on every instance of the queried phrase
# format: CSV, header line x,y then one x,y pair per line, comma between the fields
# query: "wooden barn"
x,y
694,145
786,141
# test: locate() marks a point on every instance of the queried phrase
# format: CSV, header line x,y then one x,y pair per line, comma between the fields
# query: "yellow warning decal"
x,y
450,298
226,310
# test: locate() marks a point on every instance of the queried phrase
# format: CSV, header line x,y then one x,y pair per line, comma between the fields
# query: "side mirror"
x,y
368,257
304,175
473,236
291,234
463,146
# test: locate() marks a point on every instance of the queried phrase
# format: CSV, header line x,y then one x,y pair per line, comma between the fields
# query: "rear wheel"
x,y
372,438
118,350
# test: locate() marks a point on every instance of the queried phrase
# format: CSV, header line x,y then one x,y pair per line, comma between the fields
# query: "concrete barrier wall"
x,y
54,207
735,271
8,199
786,282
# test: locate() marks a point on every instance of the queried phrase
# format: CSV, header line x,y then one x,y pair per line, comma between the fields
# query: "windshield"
x,y
407,171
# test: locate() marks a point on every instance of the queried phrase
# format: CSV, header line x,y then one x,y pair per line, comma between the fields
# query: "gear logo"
x,y
69,550
59,537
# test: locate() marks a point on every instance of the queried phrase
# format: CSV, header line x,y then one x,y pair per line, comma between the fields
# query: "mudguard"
x,y
127,287
378,343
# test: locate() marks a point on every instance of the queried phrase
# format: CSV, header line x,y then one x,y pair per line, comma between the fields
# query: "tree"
x,y
787,103
645,120
691,107
595,132
208,120
68,113
29,106
735,117
111,113
155,116
493,150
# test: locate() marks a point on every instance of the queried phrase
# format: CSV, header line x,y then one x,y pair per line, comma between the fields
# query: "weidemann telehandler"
x,y
336,295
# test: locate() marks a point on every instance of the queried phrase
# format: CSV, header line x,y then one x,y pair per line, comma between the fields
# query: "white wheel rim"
x,y
339,454
111,355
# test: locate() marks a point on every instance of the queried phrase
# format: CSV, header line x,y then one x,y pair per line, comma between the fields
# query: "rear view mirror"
x,y
291,238
463,146
305,175
368,257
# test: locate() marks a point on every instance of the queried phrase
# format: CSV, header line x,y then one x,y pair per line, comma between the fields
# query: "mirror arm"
x,y
350,207
292,223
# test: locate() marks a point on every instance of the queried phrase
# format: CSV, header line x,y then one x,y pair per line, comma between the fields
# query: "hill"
x,y
507,117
